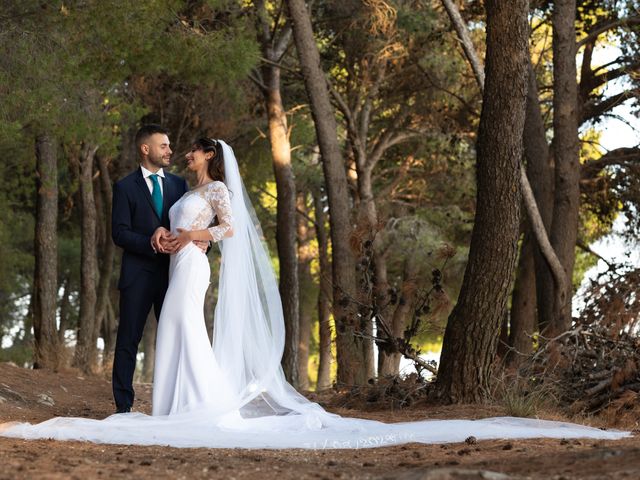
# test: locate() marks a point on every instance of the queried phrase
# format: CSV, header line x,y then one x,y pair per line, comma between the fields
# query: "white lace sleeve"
x,y
218,197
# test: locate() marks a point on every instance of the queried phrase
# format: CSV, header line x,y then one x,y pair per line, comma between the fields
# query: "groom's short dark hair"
x,y
145,131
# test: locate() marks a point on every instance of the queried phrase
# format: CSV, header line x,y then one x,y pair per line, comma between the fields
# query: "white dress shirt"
x,y
147,174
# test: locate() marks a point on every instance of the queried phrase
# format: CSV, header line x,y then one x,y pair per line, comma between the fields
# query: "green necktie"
x,y
156,195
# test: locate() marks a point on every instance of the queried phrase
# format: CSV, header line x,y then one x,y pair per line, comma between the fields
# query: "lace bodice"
x,y
197,209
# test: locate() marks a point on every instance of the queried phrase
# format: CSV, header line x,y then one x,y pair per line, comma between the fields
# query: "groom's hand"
x,y
202,245
160,240
169,244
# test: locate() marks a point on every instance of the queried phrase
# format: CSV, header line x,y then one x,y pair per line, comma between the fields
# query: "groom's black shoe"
x,y
123,410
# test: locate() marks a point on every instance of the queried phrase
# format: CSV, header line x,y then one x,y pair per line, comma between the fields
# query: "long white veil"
x,y
249,331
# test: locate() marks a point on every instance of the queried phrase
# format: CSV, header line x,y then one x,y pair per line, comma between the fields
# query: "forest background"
x,y
376,231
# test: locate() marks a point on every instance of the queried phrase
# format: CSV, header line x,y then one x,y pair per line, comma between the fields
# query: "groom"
x,y
141,203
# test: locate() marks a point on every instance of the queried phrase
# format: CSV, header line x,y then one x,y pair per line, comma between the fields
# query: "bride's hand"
x,y
183,239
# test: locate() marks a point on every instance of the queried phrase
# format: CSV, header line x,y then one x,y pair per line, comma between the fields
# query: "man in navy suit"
x,y
141,203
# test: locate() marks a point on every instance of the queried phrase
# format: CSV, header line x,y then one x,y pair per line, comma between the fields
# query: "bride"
x,y
234,393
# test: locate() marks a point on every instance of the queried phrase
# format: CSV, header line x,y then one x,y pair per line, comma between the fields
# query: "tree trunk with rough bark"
x,y
286,223
471,335
540,170
351,362
564,228
522,320
108,249
538,160
45,289
532,302
85,352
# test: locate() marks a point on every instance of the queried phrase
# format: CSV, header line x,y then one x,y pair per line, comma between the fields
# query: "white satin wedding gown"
x,y
233,393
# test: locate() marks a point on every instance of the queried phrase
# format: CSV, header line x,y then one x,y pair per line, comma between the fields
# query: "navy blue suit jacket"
x,y
133,221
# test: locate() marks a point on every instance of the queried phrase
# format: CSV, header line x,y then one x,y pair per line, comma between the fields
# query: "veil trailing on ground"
x,y
249,331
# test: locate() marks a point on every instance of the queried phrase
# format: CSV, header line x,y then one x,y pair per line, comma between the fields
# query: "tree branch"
x,y
582,246
592,110
391,136
599,80
280,66
365,116
263,29
605,26
619,156
352,129
282,43
255,77
620,60
435,85
465,39
537,225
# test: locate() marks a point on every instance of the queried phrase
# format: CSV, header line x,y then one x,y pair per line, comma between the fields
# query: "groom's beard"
x,y
159,160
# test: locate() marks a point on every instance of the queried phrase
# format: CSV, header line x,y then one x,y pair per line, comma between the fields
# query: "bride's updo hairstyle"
x,y
216,164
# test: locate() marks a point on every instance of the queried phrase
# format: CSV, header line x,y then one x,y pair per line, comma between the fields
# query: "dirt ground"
x,y
36,395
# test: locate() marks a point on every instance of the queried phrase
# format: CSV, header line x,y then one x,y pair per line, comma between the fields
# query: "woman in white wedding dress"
x,y
233,393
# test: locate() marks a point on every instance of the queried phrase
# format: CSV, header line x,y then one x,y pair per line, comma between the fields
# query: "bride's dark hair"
x,y
216,164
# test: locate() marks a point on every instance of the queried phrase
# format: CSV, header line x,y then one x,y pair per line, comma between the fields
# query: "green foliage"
x,y
16,261
583,262
78,70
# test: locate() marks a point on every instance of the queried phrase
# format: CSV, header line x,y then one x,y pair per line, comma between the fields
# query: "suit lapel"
x,y
168,195
145,191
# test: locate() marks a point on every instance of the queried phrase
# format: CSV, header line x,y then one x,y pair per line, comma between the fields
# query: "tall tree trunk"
x,y
272,50
368,214
286,222
523,302
564,228
84,357
542,187
471,334
532,302
324,295
503,337
540,170
45,289
351,362
108,249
